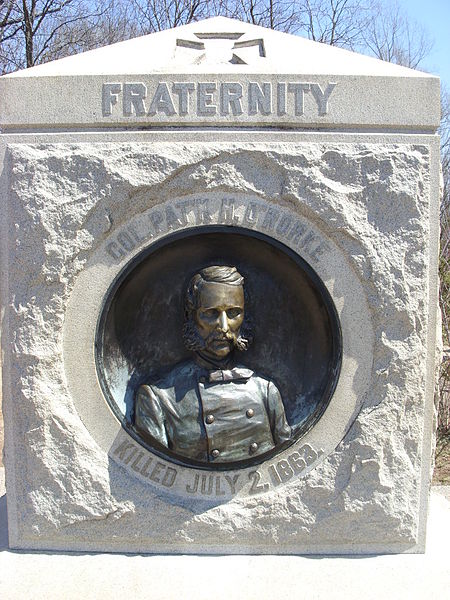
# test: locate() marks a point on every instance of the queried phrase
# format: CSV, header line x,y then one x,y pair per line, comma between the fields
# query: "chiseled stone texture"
x,y
372,199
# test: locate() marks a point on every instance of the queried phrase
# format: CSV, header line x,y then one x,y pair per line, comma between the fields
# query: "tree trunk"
x,y
28,32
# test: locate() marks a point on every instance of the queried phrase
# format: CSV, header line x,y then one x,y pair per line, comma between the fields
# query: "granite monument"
x,y
185,161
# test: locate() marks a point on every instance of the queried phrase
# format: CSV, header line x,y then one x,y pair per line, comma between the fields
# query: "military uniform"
x,y
212,416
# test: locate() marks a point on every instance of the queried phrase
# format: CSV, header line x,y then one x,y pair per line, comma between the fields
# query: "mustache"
x,y
195,343
216,336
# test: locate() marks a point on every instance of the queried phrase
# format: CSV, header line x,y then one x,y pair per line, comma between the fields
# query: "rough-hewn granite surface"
x,y
372,200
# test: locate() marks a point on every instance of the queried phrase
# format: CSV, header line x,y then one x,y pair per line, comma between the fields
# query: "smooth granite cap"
x,y
220,72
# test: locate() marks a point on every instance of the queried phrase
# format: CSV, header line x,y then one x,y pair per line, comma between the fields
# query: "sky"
x,y
434,16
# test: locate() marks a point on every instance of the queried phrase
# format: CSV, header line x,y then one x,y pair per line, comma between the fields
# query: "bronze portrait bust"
x,y
210,409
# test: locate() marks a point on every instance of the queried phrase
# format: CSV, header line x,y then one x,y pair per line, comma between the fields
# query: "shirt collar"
x,y
224,375
221,372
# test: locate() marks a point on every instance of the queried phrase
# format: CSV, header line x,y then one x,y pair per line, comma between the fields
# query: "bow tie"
x,y
229,374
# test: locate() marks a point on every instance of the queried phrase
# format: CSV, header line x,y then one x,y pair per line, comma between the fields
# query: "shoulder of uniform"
x,y
144,391
246,372
265,383
253,376
172,376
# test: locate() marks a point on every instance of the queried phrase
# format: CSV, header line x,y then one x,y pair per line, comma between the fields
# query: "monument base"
x,y
71,576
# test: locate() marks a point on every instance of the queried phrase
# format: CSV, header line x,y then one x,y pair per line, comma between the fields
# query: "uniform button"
x,y
253,447
210,419
250,413
215,453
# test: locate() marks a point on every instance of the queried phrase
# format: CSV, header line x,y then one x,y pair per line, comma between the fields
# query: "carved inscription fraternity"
x,y
216,99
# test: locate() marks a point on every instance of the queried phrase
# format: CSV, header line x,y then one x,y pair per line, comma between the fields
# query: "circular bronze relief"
x,y
218,347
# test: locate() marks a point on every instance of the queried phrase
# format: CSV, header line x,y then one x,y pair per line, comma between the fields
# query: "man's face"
x,y
219,317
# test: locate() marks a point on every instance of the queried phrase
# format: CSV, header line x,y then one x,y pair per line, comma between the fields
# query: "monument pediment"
x,y
206,44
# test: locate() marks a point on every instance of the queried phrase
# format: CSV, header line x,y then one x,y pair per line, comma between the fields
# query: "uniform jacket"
x,y
212,416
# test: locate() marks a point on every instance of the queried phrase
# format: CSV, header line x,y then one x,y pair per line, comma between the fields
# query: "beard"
x,y
194,342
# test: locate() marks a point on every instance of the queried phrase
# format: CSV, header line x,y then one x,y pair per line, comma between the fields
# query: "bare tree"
x,y
9,30
336,22
444,266
444,131
392,36
275,14
31,31
6,8
156,15
113,23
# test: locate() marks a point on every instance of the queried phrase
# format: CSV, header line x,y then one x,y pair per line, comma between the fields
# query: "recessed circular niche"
x,y
296,332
